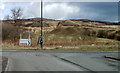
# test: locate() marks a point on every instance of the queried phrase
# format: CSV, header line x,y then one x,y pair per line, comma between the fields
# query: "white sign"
x,y
25,42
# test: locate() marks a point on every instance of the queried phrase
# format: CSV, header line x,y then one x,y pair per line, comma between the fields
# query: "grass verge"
x,y
77,48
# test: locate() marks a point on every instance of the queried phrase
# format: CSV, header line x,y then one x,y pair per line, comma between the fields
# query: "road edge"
x,y
9,65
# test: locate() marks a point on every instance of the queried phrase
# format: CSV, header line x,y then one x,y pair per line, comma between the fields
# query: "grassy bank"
x,y
6,46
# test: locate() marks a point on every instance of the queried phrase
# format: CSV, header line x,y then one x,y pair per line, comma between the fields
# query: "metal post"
x,y
20,36
29,36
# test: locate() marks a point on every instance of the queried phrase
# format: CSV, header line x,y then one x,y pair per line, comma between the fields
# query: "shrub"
x,y
111,35
117,35
88,34
10,32
102,34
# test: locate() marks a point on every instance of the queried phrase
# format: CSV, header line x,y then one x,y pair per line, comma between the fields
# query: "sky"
x,y
100,11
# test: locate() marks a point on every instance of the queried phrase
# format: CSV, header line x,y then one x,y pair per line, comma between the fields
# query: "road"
x,y
60,61
32,61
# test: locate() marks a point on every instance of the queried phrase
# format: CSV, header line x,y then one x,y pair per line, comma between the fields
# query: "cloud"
x,y
32,9
104,11
61,0
2,6
60,10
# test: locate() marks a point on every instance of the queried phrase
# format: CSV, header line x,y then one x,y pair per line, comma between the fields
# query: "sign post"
x,y
25,42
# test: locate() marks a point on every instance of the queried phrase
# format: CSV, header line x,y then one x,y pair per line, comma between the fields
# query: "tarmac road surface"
x,y
61,61
28,61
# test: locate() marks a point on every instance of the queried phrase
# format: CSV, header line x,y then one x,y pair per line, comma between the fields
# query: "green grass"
x,y
71,48
92,48
12,46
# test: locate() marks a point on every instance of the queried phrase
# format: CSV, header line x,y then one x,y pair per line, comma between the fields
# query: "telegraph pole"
x,y
41,18
41,24
40,38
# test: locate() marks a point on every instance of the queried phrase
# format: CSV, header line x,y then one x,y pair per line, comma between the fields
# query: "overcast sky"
x,y
101,11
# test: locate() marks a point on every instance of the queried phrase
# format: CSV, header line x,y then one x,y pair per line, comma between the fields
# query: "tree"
x,y
11,31
16,13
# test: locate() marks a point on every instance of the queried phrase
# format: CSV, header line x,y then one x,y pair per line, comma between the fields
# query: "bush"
x,y
111,35
88,34
10,32
117,37
102,34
